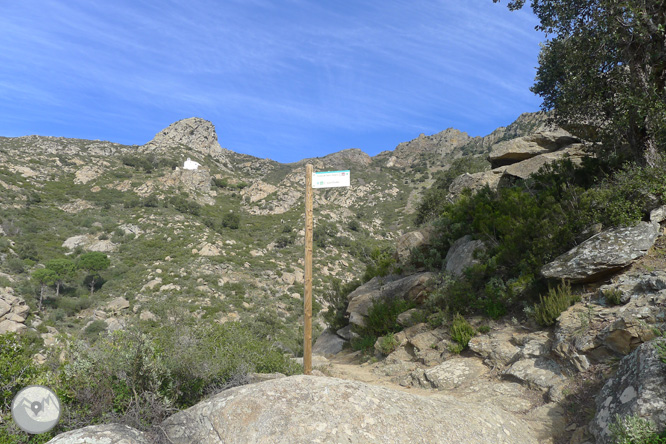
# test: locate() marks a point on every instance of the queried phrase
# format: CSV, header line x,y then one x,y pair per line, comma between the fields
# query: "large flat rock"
x,y
602,254
102,434
522,148
309,409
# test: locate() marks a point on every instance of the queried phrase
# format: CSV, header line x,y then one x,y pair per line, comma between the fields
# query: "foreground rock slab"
x,y
102,434
308,409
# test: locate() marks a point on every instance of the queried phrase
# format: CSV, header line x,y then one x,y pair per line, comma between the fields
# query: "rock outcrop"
x,y
409,241
638,388
306,409
328,343
603,254
13,312
519,158
461,255
196,133
515,150
413,287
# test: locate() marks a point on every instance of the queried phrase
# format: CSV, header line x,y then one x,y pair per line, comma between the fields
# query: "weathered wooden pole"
x,y
307,299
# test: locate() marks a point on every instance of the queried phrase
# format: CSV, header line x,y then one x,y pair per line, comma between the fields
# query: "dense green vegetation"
x,y
603,71
134,377
530,223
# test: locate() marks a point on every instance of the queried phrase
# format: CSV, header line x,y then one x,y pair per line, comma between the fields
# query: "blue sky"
x,y
283,79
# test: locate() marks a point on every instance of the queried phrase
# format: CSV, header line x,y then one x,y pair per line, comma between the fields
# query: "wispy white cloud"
x,y
293,71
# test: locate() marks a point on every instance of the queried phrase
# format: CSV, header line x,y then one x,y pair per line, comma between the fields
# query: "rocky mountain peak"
x,y
195,132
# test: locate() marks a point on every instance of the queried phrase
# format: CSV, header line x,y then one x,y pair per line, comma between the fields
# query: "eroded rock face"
x,y
306,409
602,254
638,388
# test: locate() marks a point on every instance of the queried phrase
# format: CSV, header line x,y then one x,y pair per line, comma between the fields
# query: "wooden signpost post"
x,y
324,179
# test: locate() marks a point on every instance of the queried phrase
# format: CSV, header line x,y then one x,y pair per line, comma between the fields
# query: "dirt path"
x,y
545,419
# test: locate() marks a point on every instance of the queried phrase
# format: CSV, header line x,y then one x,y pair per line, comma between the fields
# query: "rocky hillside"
x,y
223,242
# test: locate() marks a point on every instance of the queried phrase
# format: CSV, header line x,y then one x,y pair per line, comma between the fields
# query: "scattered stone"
x,y
147,316
450,374
170,287
118,304
626,334
406,319
8,326
207,250
409,241
475,182
539,373
496,349
516,150
151,284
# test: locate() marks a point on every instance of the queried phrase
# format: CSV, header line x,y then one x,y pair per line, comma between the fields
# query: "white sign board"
x,y
331,179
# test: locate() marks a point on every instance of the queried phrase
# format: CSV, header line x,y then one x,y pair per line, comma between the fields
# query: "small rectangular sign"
x,y
331,179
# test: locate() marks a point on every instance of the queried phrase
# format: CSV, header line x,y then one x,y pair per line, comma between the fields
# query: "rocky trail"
x,y
466,379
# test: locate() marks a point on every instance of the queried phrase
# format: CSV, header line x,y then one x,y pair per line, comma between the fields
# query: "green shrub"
x,y
383,314
364,342
122,376
552,305
231,220
92,332
15,265
661,350
388,344
381,262
16,368
529,223
336,298
614,296
203,357
633,429
461,331
221,183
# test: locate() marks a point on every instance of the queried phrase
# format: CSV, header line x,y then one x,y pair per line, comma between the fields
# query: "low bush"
x,y
200,357
528,224
461,333
92,332
364,342
383,314
16,368
614,296
388,344
633,429
337,299
553,304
